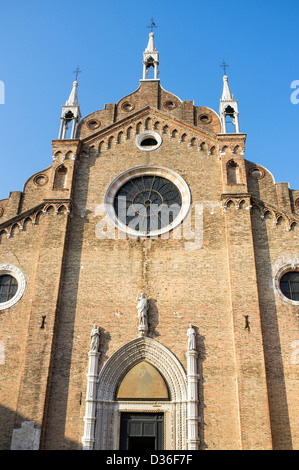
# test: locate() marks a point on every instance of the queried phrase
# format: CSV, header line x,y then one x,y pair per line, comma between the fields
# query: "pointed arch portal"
x,y
162,365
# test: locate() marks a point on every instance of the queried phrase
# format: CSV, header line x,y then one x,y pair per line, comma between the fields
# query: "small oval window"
x,y
149,142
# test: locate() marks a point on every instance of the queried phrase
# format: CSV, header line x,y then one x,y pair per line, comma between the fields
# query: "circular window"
x,y
257,173
1,211
8,287
93,124
127,106
147,201
149,141
287,283
169,105
12,285
40,180
296,204
205,119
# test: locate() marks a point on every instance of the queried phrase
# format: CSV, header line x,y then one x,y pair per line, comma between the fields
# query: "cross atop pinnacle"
x,y
224,65
153,25
76,72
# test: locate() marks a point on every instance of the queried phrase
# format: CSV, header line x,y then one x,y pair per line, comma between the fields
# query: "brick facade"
x,y
221,280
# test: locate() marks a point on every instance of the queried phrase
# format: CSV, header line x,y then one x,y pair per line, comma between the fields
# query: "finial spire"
x,y
73,98
226,94
70,113
228,106
151,55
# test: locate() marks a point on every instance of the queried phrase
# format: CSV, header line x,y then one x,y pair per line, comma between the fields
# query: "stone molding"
x,y
12,270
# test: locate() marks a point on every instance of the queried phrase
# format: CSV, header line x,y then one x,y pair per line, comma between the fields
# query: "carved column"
x,y
88,439
192,382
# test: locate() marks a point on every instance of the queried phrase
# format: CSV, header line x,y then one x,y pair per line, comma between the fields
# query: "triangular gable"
x,y
167,124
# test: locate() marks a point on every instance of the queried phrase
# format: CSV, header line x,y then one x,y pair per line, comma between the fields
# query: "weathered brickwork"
x,y
221,279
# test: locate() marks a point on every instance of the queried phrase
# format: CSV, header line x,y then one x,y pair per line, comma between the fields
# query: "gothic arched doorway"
x,y
160,397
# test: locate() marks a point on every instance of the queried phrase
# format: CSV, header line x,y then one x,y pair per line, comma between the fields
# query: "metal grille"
x,y
8,288
148,203
289,285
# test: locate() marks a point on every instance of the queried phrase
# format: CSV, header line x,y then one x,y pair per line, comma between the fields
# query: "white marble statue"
x,y
191,338
95,339
142,308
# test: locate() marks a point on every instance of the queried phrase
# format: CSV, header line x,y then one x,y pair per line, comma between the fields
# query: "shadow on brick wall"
x,y
60,367
10,420
200,344
277,394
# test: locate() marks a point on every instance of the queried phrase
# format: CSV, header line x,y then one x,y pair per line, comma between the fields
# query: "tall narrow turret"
x,y
70,114
150,59
228,108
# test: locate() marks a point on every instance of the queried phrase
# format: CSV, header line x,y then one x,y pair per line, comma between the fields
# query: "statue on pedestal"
x,y
95,339
191,338
142,308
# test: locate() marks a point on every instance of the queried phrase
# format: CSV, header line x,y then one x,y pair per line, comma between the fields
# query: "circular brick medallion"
x,y
40,180
1,211
93,124
169,105
204,119
257,173
127,106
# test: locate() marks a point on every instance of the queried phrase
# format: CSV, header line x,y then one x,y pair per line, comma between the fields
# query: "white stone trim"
x,y
15,272
90,402
174,177
146,135
108,409
192,414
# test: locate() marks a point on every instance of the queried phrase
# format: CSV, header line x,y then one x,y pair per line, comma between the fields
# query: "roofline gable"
x,y
147,111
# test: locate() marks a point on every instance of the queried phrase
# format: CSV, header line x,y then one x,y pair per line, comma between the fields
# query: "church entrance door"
x,y
142,431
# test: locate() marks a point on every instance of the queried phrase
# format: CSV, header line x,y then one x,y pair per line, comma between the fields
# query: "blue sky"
x,y
42,42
